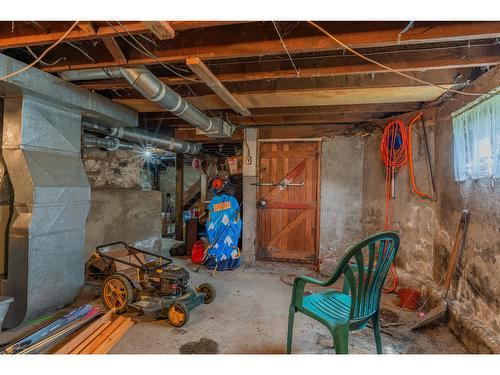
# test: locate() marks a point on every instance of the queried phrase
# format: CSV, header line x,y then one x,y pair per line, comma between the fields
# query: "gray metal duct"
x,y
90,105
108,143
41,149
145,137
155,90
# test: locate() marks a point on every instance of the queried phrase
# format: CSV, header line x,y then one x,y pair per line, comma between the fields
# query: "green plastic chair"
x,y
365,267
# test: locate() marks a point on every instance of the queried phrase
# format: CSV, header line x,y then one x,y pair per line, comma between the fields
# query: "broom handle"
x,y
452,262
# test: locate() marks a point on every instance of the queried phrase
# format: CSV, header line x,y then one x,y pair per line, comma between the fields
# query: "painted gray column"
x,y
41,148
249,237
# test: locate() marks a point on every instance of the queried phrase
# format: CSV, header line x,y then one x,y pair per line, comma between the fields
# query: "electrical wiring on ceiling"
x,y
32,53
145,51
286,49
81,51
391,69
13,74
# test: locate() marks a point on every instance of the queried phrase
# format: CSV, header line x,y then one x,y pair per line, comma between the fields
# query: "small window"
x,y
476,134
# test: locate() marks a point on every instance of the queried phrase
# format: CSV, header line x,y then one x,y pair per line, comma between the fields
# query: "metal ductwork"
x,y
108,143
41,149
155,90
145,137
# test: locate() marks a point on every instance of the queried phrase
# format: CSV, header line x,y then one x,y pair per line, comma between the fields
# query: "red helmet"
x,y
217,184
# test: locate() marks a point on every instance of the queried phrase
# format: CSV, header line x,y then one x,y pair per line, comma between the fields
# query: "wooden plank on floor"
x,y
86,333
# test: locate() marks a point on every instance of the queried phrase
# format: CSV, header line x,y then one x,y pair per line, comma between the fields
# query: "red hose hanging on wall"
x,y
393,158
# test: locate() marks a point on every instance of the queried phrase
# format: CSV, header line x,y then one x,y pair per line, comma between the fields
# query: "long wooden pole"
x,y
179,194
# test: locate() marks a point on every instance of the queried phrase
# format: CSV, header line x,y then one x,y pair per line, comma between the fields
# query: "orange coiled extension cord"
x,y
393,158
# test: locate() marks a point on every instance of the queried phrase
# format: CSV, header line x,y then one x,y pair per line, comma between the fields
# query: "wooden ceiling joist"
x,y
88,27
161,29
235,46
84,32
202,71
115,50
306,98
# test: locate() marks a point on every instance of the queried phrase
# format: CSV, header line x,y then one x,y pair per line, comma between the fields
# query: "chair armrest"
x,y
298,288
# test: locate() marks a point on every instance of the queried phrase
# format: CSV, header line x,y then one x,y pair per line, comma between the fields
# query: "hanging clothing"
x,y
223,230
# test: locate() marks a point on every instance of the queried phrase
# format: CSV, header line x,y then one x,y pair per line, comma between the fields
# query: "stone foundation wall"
x,y
116,169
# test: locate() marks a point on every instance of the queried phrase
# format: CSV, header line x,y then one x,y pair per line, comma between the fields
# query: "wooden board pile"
x,y
99,337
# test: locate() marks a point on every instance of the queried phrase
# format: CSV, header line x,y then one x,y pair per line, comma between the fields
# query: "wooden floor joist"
x,y
235,46
202,71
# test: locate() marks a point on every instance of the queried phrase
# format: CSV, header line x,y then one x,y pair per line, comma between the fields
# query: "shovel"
x,y
440,311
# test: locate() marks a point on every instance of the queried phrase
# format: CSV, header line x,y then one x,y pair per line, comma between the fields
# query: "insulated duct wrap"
x,y
41,148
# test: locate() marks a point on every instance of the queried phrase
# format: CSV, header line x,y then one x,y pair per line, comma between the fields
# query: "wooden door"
x,y
287,215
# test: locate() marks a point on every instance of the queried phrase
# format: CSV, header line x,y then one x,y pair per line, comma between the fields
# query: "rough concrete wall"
x,y
414,217
132,216
113,169
478,286
341,197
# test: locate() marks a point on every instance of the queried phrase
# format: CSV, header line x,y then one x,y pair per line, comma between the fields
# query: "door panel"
x,y
287,227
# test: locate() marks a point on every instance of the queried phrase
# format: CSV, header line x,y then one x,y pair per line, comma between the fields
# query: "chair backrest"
x,y
365,267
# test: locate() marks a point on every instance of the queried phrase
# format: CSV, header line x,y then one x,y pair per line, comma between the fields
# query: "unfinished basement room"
x,y
250,187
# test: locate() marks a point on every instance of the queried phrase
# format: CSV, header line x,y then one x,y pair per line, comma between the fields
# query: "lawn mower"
x,y
146,282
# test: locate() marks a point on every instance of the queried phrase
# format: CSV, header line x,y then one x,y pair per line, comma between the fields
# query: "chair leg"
x,y
341,339
291,317
376,331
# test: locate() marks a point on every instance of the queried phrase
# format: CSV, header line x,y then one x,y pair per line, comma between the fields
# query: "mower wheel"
x,y
209,291
117,292
178,314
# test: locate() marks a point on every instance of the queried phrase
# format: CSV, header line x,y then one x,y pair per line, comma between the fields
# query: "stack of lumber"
x,y
99,337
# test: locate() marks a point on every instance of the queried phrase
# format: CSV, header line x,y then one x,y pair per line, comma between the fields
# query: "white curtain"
x,y
476,135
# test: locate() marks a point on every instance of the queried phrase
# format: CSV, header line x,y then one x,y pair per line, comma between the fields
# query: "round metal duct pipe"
x,y
145,137
152,88
108,143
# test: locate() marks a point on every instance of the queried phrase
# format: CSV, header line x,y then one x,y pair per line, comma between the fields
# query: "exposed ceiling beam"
x,y
331,118
486,83
115,50
75,35
438,76
8,41
315,110
202,71
306,98
161,29
87,27
189,133
239,45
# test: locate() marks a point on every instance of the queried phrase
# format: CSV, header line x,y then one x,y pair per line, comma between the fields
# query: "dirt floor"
x,y
249,316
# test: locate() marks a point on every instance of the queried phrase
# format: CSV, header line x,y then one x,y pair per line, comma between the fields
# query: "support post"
x,y
203,190
179,195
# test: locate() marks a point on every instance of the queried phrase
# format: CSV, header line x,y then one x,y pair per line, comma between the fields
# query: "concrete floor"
x,y
249,316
